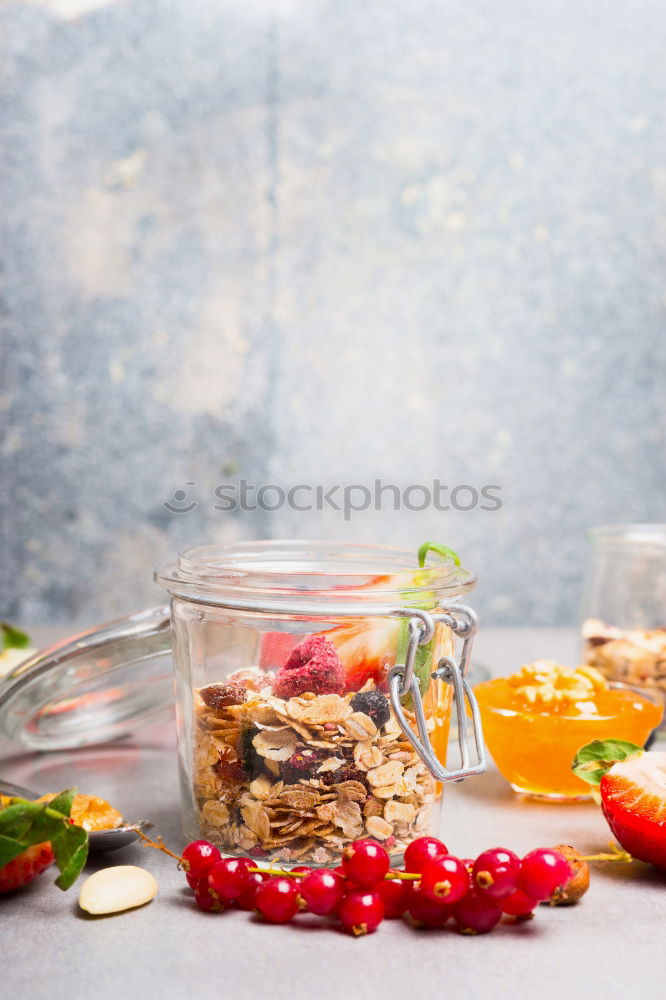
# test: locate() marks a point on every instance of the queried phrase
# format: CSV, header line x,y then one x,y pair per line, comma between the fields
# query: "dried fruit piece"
x,y
374,704
218,696
312,666
347,773
113,890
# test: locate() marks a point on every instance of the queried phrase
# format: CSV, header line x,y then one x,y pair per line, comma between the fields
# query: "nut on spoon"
x,y
99,841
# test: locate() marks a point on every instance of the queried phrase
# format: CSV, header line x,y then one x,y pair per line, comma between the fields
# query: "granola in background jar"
x,y
632,656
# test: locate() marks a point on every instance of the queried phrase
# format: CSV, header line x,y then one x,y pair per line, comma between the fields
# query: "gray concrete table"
x,y
610,945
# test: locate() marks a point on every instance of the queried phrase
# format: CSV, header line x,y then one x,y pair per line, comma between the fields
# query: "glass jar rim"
x,y
641,535
269,575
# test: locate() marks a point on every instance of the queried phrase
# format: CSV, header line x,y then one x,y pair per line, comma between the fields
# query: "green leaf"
x,y
13,638
24,824
9,849
442,550
62,803
70,848
595,758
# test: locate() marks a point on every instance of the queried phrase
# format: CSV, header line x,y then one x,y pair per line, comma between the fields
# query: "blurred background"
x,y
323,242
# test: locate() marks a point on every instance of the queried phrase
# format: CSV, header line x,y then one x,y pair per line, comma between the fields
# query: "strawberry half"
x,y
632,786
633,800
27,866
35,834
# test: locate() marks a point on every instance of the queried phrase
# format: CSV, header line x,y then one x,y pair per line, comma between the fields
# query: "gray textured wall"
x,y
323,241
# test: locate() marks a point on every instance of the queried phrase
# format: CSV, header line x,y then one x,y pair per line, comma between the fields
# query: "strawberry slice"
x,y
632,786
27,866
633,800
366,650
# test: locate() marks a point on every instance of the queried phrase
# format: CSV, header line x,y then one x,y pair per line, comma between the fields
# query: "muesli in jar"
x,y
633,656
292,766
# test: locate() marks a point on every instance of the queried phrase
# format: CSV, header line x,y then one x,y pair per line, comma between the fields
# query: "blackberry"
x,y
374,704
218,696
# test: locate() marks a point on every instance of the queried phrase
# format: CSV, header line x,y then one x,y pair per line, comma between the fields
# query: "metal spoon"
x,y
99,841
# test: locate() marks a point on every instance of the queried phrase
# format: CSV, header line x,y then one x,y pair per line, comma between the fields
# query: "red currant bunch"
x,y
435,888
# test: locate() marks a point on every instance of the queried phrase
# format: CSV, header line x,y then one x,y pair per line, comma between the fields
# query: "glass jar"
x,y
624,608
314,689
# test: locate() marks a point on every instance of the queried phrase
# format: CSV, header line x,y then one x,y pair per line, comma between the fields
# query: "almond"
x,y
113,890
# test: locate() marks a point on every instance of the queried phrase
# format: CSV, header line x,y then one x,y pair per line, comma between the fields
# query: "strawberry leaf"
x,y
595,758
13,638
24,824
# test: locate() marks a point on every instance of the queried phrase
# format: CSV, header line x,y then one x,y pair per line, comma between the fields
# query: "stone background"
x,y
323,241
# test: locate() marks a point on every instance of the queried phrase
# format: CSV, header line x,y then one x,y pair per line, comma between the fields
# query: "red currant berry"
x,y
277,899
230,876
302,869
444,880
204,899
193,880
199,857
361,912
518,904
395,896
496,871
477,913
542,871
468,863
246,900
422,850
322,891
426,912
365,863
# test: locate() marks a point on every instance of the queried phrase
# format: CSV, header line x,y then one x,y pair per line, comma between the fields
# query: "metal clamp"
x,y
463,622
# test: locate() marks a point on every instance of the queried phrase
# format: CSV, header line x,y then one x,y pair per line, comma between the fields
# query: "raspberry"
x,y
374,704
218,696
312,666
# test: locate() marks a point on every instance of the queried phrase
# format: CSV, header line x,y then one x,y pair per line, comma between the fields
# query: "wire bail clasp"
x,y
422,625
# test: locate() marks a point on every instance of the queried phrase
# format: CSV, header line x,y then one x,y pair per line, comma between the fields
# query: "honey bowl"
x,y
535,721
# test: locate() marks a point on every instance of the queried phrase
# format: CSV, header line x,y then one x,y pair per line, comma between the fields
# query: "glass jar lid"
x,y
297,577
97,686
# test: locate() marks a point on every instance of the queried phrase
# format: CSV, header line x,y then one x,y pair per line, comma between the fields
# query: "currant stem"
x,y
159,846
615,856
403,876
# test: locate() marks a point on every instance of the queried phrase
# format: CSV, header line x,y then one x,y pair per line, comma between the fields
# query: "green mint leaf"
x,y
63,803
70,848
13,638
442,550
595,758
10,848
24,824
